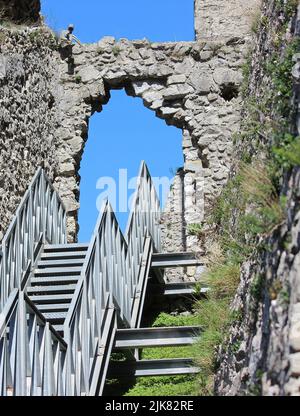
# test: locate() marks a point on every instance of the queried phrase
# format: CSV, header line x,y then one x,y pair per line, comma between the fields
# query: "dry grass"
x,y
222,277
257,185
260,194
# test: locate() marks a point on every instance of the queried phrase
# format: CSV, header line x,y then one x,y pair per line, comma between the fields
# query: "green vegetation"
x,y
36,37
168,386
165,319
164,386
78,79
214,316
256,287
2,38
195,229
288,155
116,50
250,206
214,313
252,196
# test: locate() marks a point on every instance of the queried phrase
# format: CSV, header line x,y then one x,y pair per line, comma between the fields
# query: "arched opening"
x,y
122,135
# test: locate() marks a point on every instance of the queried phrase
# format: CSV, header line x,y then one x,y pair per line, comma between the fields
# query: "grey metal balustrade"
x,y
40,217
144,219
34,359
32,354
103,276
109,280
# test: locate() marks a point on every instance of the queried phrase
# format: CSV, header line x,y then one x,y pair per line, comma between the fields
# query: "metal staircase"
x,y
54,281
66,307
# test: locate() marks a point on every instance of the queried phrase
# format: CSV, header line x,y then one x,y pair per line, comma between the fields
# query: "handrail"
x,y
102,285
33,355
151,207
35,360
109,279
40,217
143,221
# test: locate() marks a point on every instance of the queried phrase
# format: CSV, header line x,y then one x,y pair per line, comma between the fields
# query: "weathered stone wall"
x,y
20,11
192,85
262,356
215,19
262,353
29,119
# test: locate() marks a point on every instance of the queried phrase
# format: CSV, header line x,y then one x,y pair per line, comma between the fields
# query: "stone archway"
x,y
182,82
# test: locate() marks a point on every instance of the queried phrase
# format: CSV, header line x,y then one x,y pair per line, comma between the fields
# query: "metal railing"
x,y
103,278
40,217
34,360
110,276
143,221
32,354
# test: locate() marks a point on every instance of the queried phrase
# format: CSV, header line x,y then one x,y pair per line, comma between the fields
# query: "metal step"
x,y
59,329
63,255
51,289
53,280
182,288
65,247
144,368
57,317
165,260
156,337
60,263
62,298
44,308
187,289
58,271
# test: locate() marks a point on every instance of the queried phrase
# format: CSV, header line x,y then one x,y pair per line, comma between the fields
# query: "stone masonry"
x,y
29,115
192,85
262,353
215,19
47,96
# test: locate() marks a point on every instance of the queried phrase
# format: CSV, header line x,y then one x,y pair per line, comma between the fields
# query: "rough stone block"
x,y
202,82
176,79
295,336
177,91
295,364
227,76
89,74
168,111
193,166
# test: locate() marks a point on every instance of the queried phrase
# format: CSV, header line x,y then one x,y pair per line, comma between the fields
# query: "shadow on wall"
x,y
20,11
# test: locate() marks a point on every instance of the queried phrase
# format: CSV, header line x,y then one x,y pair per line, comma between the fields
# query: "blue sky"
x,y
157,20
125,132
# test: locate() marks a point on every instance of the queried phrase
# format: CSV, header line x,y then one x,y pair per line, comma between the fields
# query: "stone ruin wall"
x,y
192,85
183,84
29,117
261,355
220,20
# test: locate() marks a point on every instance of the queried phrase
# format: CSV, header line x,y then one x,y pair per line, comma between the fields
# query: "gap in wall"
x,y
120,137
